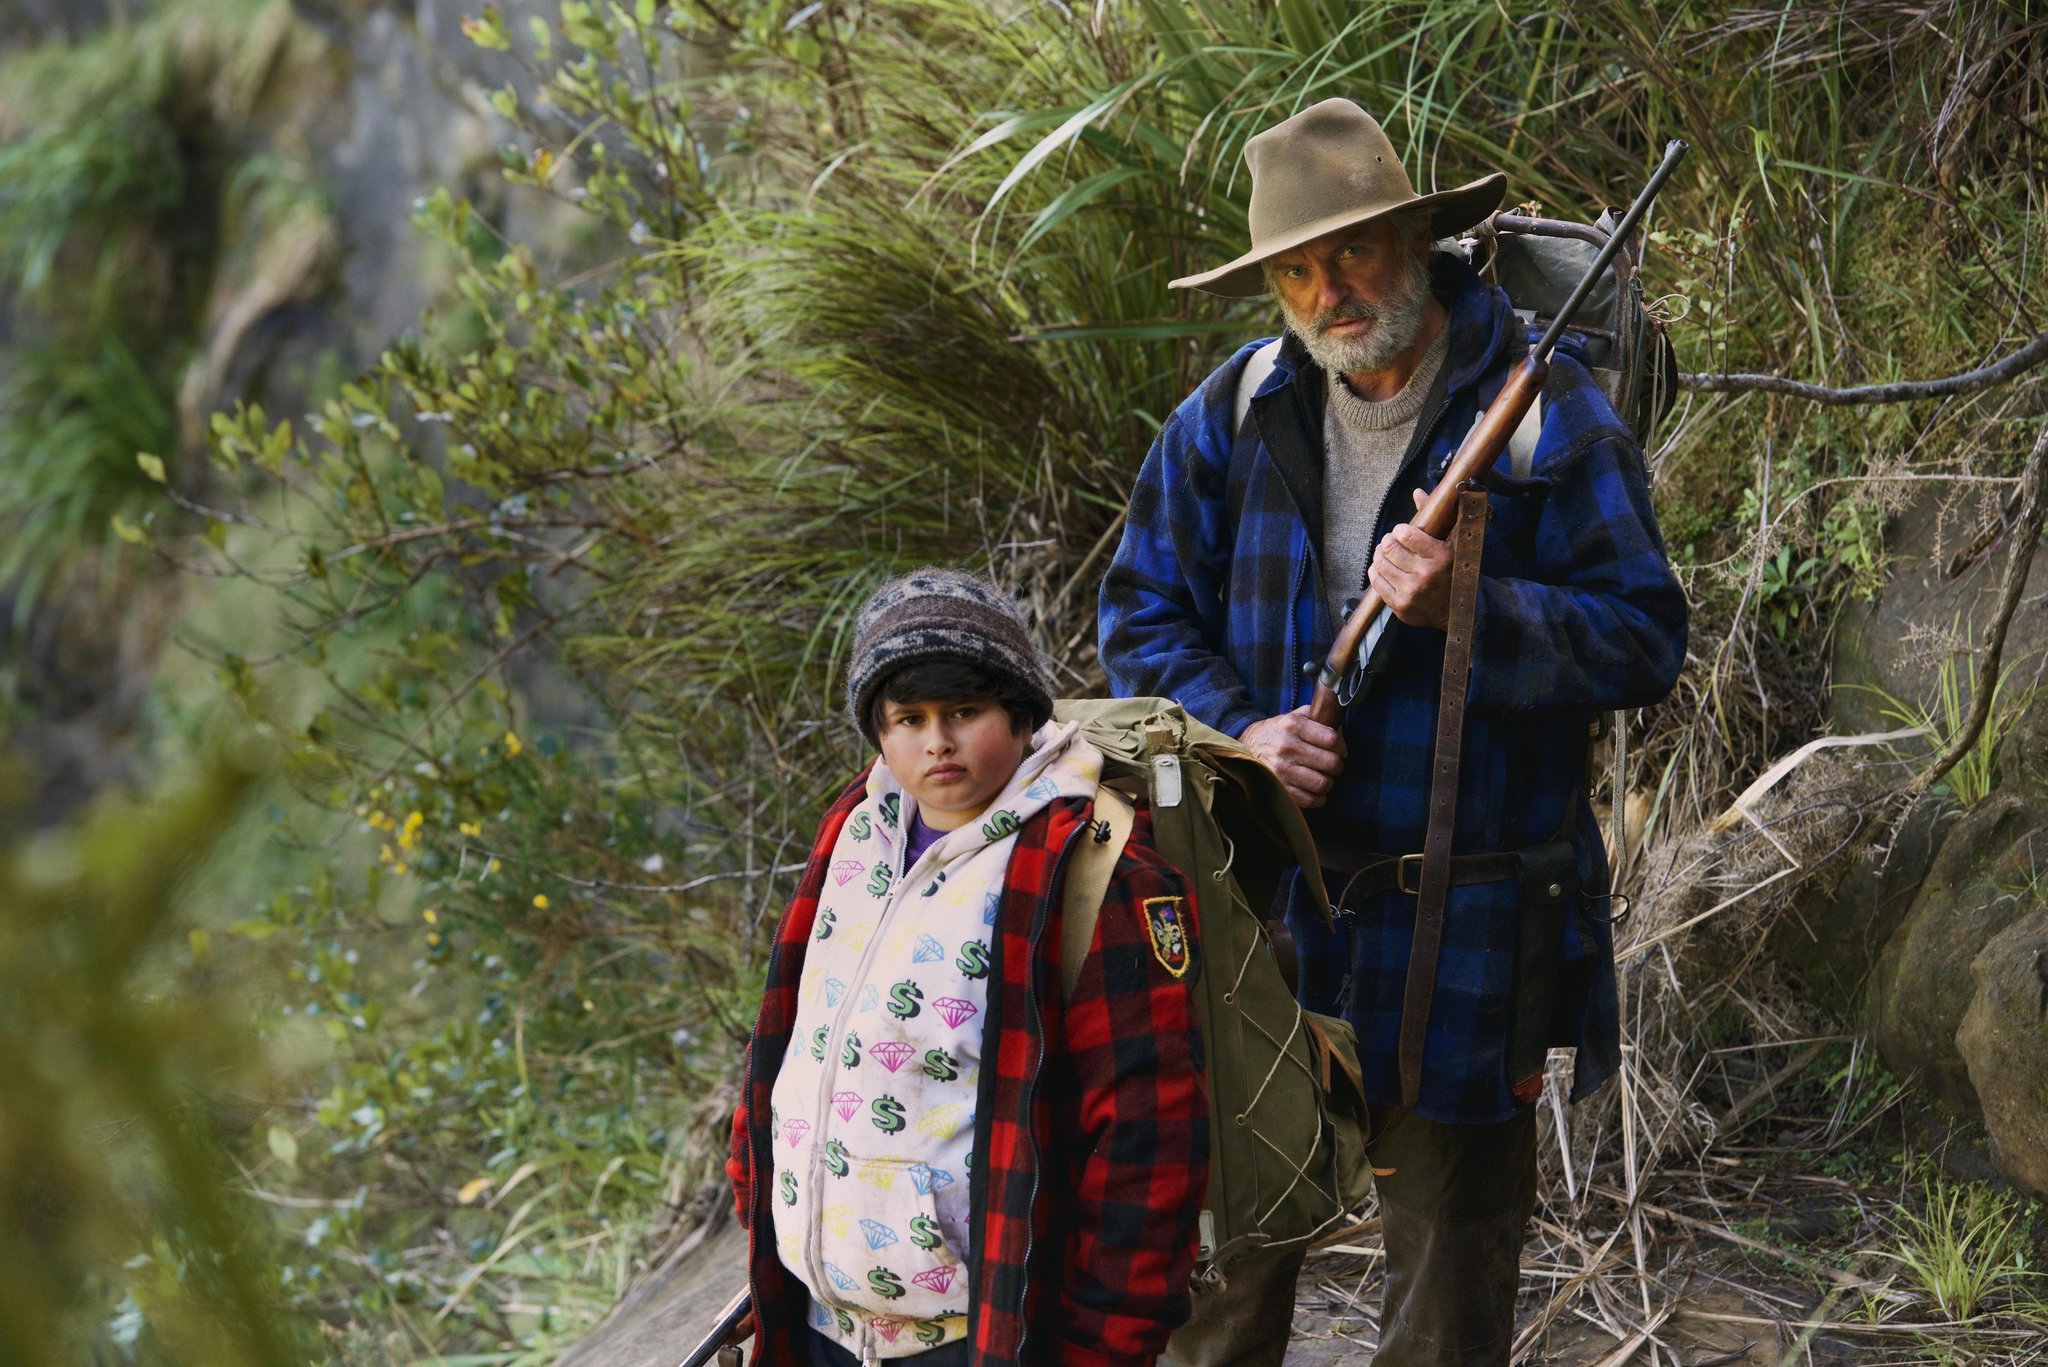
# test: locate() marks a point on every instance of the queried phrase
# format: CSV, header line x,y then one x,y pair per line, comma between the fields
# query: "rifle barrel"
x,y
1674,152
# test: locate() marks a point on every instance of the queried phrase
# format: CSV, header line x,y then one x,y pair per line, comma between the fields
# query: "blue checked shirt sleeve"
x,y
1160,616
1600,623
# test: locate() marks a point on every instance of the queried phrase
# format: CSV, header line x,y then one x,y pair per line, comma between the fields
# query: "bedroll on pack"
x,y
1538,261
1287,1107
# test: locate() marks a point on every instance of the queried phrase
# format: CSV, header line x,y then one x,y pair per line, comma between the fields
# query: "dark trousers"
x,y
1455,1202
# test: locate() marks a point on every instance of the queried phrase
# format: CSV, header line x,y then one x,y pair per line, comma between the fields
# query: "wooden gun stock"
x,y
1476,454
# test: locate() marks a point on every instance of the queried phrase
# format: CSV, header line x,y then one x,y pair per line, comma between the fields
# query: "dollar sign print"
x,y
892,808
818,1038
885,1284
999,825
888,1113
939,1066
904,998
973,959
835,1158
788,1188
849,1051
924,1232
930,1331
860,828
878,881
826,920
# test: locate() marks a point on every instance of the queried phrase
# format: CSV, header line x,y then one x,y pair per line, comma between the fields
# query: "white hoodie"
x,y
873,1107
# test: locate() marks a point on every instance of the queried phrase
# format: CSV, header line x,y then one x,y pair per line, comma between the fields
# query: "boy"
x,y
939,1153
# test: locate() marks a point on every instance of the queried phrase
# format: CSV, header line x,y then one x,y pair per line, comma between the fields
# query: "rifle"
x,y
1337,683
734,1327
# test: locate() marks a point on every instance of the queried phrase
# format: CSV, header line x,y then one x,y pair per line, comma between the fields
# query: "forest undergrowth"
x,y
540,625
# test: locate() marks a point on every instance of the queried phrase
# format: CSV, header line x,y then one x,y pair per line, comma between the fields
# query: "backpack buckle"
x,y
1401,867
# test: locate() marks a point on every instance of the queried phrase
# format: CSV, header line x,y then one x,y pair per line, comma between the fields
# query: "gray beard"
x,y
1395,327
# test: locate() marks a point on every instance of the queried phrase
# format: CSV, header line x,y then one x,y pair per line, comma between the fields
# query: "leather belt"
x,y
1364,875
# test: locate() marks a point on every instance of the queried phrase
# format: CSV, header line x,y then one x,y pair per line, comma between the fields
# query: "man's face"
x,y
1357,297
953,756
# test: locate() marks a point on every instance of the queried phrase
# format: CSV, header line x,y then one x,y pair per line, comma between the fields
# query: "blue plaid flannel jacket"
x,y
1215,599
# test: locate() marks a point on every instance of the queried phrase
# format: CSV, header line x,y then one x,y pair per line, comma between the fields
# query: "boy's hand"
x,y
1411,571
1306,754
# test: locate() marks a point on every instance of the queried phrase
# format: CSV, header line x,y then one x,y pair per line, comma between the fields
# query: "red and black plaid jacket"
x,y
1091,1145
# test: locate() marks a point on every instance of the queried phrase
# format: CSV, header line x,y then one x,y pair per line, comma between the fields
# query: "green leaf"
x,y
129,532
153,466
284,1146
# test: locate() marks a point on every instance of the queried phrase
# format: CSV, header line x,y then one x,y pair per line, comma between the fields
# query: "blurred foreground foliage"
x,y
887,286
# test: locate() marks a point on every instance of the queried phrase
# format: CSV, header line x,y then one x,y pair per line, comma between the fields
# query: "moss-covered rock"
x,y
2004,1044
1975,889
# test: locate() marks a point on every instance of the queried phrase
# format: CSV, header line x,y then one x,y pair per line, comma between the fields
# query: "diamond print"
x,y
795,1130
888,1329
891,1053
859,936
835,991
870,997
880,1173
989,903
840,1279
846,870
878,1234
956,1010
928,1179
927,950
939,1279
942,1123
838,1219
846,1103
1042,788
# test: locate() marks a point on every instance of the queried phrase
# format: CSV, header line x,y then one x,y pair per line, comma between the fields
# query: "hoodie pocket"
x,y
886,1255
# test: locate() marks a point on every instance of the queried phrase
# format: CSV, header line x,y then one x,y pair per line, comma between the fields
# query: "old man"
x,y
1254,527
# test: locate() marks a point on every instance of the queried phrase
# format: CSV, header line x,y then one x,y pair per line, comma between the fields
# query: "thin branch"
x,y
2033,354
2026,532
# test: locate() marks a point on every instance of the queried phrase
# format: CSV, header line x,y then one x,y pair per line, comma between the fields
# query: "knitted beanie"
x,y
939,614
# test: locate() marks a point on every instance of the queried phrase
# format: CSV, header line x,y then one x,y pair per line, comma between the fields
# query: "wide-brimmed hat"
x,y
1328,167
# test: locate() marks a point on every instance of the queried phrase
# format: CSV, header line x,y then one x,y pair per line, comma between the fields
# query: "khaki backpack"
x,y
1287,1107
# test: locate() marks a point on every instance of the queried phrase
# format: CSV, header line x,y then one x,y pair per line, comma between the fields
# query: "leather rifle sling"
x,y
1433,885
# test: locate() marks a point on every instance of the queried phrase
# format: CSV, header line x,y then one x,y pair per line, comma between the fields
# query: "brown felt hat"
x,y
1328,167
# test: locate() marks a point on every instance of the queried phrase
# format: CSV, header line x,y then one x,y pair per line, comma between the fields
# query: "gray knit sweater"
x,y
1363,443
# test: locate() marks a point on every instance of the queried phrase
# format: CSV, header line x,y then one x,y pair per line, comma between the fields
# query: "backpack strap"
x,y
1256,368
1088,874
1522,442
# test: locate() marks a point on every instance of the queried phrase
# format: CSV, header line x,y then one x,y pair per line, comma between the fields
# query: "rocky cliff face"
x,y
373,105
1958,1000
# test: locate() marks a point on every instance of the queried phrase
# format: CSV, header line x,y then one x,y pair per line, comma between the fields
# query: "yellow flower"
x,y
384,855
430,916
398,868
471,827
433,937
540,900
410,830
513,745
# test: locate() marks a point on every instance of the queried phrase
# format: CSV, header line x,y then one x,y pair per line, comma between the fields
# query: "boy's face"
x,y
952,756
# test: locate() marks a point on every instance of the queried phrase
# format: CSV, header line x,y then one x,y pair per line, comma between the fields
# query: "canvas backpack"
x,y
1287,1106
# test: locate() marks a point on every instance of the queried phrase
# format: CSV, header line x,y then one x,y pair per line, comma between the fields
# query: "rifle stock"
x,y
1476,454
735,1325
1482,446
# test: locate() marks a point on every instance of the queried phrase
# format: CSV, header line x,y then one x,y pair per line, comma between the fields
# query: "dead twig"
x,y
2033,354
2026,532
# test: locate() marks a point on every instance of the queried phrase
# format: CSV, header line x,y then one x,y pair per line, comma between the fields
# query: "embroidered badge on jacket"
x,y
1169,937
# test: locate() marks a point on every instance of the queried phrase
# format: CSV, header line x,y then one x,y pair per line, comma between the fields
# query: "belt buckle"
x,y
1401,867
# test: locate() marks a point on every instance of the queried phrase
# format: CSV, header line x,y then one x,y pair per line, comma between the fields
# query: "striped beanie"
x,y
939,614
